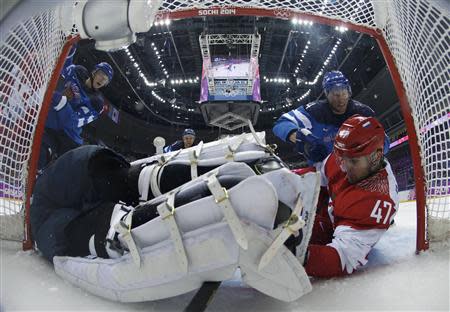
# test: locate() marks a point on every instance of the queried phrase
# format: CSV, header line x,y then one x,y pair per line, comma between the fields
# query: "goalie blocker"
x,y
203,231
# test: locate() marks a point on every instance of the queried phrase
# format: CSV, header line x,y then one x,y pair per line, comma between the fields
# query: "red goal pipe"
x,y
38,133
422,242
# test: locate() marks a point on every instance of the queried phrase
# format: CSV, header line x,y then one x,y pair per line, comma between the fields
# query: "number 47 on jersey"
x,y
383,208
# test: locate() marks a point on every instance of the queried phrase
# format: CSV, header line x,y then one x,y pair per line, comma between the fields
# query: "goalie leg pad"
x,y
254,199
288,187
213,256
212,252
284,278
211,249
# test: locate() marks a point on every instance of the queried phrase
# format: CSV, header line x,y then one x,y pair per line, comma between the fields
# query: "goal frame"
x,y
37,139
422,241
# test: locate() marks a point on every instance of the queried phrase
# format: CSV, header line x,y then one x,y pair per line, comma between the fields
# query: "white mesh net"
x,y
416,31
354,11
27,57
418,34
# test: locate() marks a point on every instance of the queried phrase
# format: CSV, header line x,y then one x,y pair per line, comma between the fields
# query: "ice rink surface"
x,y
396,279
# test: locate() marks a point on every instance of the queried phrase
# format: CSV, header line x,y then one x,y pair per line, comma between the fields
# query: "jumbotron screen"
x,y
230,79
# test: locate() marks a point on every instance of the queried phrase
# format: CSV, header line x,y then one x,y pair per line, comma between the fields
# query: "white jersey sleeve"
x,y
320,166
353,245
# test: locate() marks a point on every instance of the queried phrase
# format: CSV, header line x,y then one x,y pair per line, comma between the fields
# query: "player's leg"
x,y
94,222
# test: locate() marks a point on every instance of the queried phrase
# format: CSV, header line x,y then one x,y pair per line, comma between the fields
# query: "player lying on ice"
x,y
226,218
363,196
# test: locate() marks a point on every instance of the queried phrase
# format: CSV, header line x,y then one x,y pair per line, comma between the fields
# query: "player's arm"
x,y
173,147
77,117
287,125
67,89
361,218
58,98
346,253
167,148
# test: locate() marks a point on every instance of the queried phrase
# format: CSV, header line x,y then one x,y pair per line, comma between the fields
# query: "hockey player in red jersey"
x,y
363,200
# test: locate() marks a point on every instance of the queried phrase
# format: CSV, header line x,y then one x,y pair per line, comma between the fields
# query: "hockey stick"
x,y
203,297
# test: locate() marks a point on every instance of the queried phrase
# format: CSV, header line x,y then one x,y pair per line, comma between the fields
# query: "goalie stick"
x,y
202,297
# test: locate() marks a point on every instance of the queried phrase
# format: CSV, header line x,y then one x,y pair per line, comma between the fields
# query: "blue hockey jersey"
x,y
71,116
173,147
321,121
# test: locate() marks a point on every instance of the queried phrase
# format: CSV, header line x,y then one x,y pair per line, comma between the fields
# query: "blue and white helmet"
x,y
106,68
335,80
189,131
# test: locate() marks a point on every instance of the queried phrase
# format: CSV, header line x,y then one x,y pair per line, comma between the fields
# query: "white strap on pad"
x,y
124,229
288,187
233,147
290,227
221,198
144,182
194,155
167,212
245,142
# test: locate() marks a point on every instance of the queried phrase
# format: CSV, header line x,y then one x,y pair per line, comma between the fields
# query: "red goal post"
x,y
413,36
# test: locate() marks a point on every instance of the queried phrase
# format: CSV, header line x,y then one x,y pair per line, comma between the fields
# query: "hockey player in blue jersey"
x,y
76,102
188,138
313,127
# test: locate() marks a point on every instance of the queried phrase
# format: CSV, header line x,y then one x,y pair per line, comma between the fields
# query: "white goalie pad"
x,y
210,245
247,147
309,185
223,149
283,278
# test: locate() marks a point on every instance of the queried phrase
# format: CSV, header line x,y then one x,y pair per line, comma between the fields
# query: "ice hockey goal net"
x,y
412,34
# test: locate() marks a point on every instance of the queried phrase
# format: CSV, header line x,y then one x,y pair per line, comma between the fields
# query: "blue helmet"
x,y
106,68
189,132
335,79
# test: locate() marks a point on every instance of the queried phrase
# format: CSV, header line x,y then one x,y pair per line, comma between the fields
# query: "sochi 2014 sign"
x,y
217,11
224,11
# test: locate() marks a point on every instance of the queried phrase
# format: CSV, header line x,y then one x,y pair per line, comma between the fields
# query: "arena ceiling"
x,y
145,74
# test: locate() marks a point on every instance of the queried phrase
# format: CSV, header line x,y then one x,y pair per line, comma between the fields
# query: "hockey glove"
x,y
72,92
312,146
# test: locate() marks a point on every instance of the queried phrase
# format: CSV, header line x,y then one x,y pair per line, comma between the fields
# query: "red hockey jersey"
x,y
369,204
360,215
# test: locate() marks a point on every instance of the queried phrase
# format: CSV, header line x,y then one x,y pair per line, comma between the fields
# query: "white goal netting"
x,y
28,54
416,32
